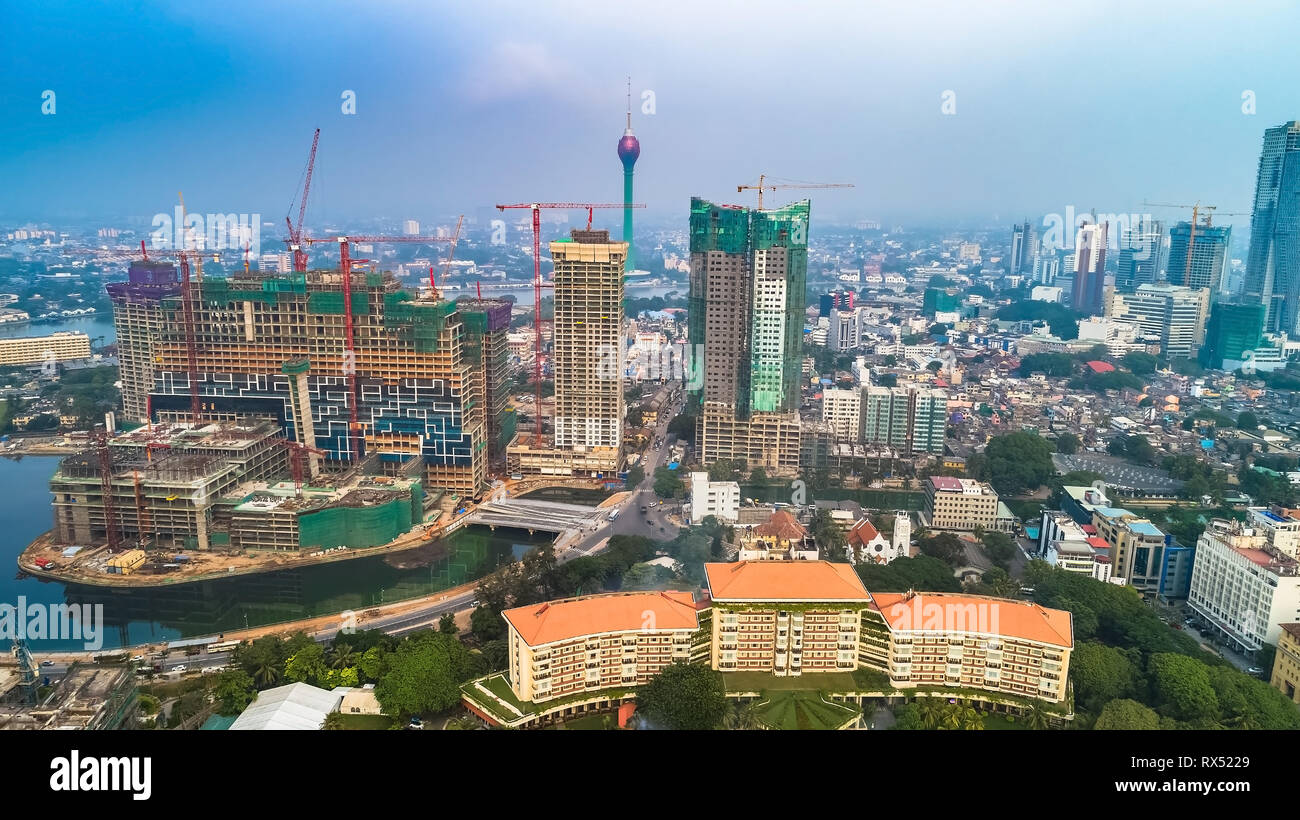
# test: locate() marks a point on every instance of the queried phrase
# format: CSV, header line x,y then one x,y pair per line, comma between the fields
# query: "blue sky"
x,y
1097,105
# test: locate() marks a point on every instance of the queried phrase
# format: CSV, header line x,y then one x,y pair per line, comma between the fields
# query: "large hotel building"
x,y
778,618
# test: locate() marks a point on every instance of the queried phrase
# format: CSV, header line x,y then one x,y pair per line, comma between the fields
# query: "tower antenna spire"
x,y
629,104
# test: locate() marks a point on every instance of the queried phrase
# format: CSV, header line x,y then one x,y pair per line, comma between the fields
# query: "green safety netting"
x,y
361,526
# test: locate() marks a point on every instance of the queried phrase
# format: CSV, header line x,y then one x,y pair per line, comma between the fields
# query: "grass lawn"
x,y
997,722
366,722
763,681
792,710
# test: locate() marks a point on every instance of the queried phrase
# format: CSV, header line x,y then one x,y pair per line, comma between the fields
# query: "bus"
x,y
613,515
223,646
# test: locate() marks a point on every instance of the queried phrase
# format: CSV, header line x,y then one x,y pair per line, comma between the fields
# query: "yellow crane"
x,y
785,184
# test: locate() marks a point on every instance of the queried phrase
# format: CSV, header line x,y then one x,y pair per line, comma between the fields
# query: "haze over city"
x,y
459,107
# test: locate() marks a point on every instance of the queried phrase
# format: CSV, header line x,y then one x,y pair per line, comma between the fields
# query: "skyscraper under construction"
x,y
748,271
274,346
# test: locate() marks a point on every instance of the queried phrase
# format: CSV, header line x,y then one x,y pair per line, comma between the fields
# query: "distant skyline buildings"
x,y
1024,247
1090,268
1273,262
1141,254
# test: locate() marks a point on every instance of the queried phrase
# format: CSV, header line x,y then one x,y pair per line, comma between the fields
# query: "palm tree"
x,y
967,716
1037,717
267,673
334,720
932,712
741,716
344,656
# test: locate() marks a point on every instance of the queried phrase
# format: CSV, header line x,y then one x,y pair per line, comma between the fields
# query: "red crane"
x,y
349,353
111,536
297,454
536,208
295,240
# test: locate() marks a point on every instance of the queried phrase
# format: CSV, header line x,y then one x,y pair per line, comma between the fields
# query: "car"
x,y
1255,670
415,723
179,669
475,603
47,663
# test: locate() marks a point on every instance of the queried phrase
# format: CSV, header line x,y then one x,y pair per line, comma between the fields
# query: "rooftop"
x,y
784,581
936,611
296,706
546,623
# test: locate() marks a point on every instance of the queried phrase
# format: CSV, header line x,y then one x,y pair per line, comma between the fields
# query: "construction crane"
x,y
111,535
295,240
451,253
537,208
1196,207
191,351
785,184
345,265
298,453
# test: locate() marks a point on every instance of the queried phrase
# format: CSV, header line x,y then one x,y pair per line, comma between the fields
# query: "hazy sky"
x,y
459,106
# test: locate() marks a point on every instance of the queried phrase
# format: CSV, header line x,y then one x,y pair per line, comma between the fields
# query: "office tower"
x,y
138,320
1173,314
275,346
845,331
841,299
588,346
1206,264
1273,262
1141,255
411,227
280,262
1233,329
746,311
1024,245
908,420
487,324
940,300
1089,268
629,148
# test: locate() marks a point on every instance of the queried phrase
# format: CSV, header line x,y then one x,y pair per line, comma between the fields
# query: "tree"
x,y
1181,688
333,722
447,624
999,547
908,718
667,483
1247,420
828,536
684,696
683,427
945,546
758,476
1101,674
741,716
307,665
1140,363
635,475
934,366
234,691
425,674
1126,714
1015,463
1067,443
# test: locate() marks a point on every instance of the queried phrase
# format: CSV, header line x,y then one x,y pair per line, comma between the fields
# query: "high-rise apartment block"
x,y
746,312
1199,258
138,318
911,420
1273,262
487,322
1174,315
1089,268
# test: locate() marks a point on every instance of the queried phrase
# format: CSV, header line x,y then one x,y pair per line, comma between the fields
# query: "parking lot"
x,y
1119,473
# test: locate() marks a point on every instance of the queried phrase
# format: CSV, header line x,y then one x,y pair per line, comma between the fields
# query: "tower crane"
x,y
297,455
112,536
537,208
786,184
187,312
451,253
345,264
295,240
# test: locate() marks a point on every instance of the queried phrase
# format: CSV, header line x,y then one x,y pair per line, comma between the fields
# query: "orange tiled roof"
x,y
782,525
863,532
784,581
562,620
1012,619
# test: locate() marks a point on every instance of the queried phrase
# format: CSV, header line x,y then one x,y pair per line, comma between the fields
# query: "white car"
x,y
180,670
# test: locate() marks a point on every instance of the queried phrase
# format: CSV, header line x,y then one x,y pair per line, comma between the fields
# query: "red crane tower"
x,y
295,240
111,535
536,208
349,353
297,454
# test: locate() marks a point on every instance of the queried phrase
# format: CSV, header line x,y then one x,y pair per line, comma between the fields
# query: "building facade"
x,y
1089,268
1232,335
1141,255
720,499
960,504
1242,586
1174,315
909,419
1273,261
1286,664
137,320
1199,259
62,346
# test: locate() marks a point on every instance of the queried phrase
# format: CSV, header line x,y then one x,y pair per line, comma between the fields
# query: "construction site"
x,y
89,696
178,499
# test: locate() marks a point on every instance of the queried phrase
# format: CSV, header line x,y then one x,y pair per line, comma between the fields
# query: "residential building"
x,y
785,619
1242,586
1174,315
845,331
842,410
1273,261
1286,664
487,325
910,419
1089,268
61,346
780,538
720,499
1047,265
579,646
411,227
961,504
1141,255
746,313
994,645
1199,258
138,321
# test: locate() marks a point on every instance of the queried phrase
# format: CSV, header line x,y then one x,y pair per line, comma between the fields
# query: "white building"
x,y
411,227
1243,585
902,540
842,410
720,499
867,545
1045,293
